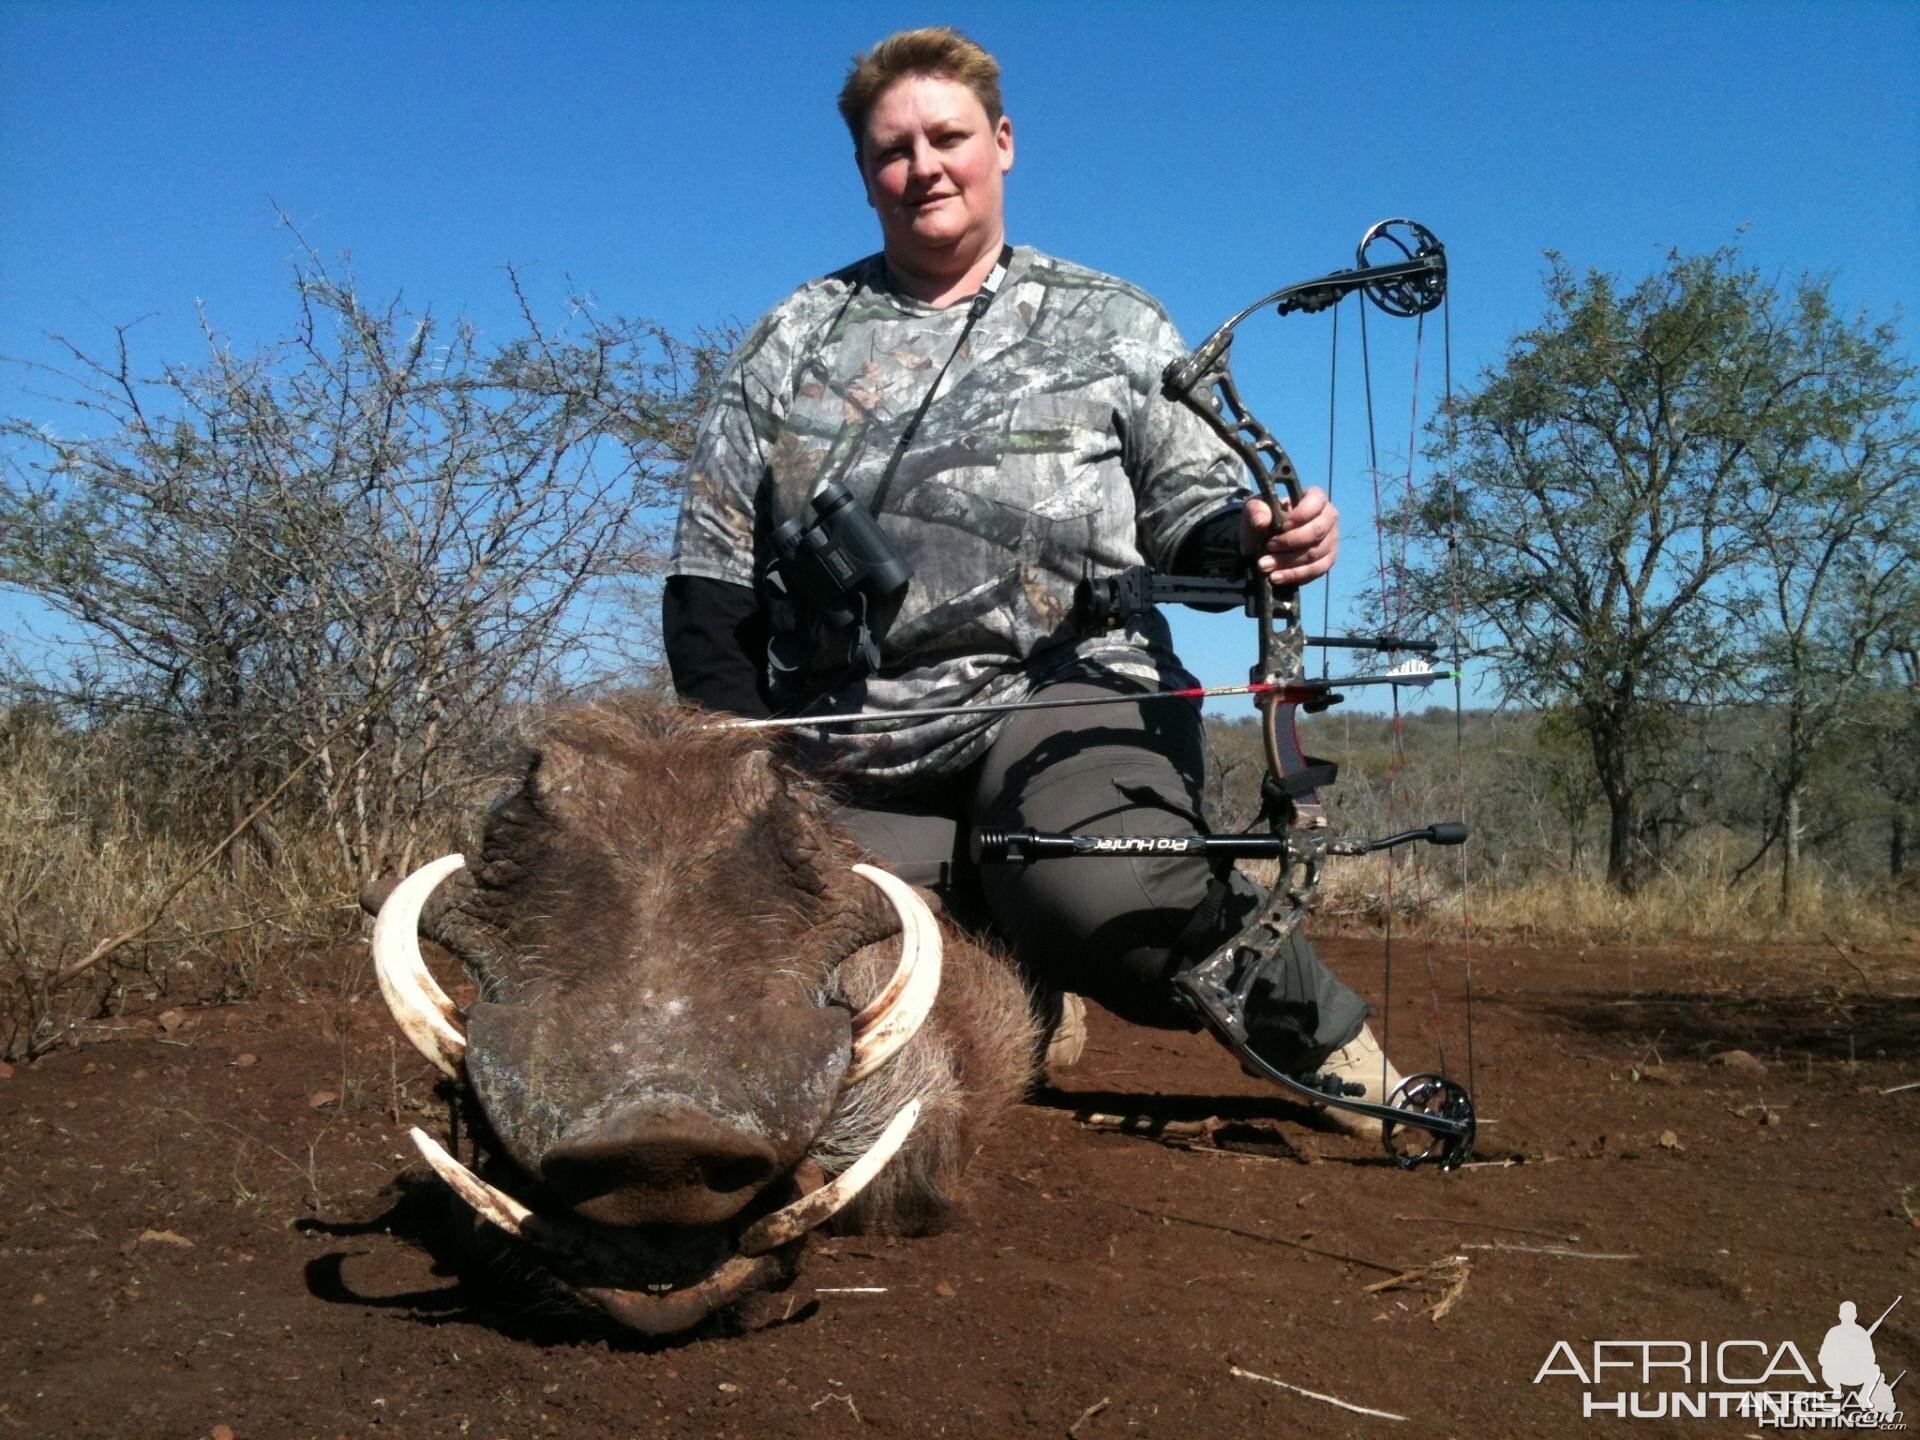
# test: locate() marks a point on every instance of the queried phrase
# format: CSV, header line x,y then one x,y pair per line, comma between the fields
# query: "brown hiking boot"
x,y
1064,1034
1361,1062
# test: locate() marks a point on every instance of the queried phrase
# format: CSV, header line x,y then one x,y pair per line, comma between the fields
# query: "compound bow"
x,y
1428,1117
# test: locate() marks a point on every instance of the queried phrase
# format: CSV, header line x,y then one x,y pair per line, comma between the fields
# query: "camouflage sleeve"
x,y
714,536
1182,472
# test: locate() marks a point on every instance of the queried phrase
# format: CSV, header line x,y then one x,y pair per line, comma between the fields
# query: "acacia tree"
x,y
354,550
1617,477
1893,747
1839,572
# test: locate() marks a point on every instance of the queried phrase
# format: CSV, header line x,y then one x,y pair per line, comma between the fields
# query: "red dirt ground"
x,y
215,1222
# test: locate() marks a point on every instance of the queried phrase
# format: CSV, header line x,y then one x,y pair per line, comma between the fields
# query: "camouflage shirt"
x,y
1048,453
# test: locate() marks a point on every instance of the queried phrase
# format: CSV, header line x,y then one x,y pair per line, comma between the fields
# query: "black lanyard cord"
x,y
989,288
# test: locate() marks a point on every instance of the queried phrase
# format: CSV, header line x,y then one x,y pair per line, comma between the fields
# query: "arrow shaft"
x,y
1289,692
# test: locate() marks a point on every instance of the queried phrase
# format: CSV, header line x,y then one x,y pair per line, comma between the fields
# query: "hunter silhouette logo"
x,y
1848,1365
1768,1383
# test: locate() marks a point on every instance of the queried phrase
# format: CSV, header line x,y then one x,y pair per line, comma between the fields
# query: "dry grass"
x,y
80,858
1697,902
86,850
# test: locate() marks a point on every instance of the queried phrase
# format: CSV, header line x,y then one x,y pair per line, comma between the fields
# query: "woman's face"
x,y
934,167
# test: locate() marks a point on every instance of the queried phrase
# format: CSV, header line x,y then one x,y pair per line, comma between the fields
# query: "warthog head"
x,y
703,1029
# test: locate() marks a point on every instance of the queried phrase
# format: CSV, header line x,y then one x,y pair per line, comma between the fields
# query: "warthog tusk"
x,y
496,1205
424,1013
898,1011
683,1309
792,1221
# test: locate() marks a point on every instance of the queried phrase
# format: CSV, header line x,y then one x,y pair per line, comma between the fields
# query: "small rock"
x,y
1670,1141
6,1071
944,1290
1743,1061
320,1099
171,1020
165,1237
220,1432
39,1299
243,1061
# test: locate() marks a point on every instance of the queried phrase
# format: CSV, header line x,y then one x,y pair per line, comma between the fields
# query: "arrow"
x,y
1291,691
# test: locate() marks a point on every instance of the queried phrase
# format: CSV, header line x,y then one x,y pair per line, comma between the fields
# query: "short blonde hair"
x,y
937,50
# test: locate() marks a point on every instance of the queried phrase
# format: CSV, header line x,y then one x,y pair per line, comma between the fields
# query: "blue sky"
x,y
685,163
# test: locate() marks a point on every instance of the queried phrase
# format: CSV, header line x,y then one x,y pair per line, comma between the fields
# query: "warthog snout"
x,y
649,1163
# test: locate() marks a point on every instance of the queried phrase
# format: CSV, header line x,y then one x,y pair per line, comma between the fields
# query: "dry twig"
x,y
1512,1161
1865,979
1485,1225
1454,1291
1563,1253
1194,1137
846,1400
1191,1131
1251,1235
1316,1395
1453,1269
1087,1414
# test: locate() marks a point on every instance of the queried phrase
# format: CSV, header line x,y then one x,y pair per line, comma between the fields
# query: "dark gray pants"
x,y
1101,927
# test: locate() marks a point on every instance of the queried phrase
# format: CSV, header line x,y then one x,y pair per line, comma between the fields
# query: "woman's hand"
x,y
1302,547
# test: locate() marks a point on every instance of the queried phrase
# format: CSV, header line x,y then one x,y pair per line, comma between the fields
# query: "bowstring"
x,y
1459,658
1421,903
1394,760
1333,400
1391,571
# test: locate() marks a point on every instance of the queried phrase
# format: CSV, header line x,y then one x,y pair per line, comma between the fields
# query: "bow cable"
x,y
1454,562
